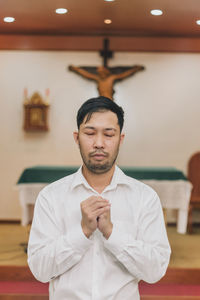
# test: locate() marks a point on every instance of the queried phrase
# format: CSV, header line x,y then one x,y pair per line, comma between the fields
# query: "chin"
x,y
99,168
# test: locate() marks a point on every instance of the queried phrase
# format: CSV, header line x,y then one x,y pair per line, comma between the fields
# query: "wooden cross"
x,y
106,53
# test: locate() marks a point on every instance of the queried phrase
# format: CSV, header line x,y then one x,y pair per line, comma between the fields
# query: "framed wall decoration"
x,y
35,113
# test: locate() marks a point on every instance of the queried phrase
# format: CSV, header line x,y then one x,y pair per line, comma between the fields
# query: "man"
x,y
98,232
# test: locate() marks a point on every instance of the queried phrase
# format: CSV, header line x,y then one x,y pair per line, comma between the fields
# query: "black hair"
x,y
99,104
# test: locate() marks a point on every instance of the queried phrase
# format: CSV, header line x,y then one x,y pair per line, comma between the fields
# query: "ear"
x,y
76,137
122,138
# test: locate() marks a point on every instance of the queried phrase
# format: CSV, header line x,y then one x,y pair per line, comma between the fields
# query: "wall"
x,y
161,106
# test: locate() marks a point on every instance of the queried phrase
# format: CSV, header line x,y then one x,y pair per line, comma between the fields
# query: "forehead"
x,y
101,119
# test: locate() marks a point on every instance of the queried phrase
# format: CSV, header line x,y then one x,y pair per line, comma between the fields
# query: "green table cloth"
x,y
48,174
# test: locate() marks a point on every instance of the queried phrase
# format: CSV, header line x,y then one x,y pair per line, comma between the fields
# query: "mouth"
x,y
98,156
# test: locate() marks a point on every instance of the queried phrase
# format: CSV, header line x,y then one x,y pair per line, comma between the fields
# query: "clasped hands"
x,y
96,214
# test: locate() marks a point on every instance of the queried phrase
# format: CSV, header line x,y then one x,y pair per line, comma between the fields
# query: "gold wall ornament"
x,y
35,112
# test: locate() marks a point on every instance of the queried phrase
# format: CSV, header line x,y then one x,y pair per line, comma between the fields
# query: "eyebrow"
x,y
109,129
89,127
105,129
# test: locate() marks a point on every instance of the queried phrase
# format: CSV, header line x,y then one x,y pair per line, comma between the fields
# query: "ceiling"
x,y
85,17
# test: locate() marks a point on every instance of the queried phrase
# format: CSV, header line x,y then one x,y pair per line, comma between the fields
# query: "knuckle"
x,y
90,218
88,215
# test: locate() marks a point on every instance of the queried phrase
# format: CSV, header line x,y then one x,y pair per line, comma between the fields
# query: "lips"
x,y
98,155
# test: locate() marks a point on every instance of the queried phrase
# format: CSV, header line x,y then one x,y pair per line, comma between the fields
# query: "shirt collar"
x,y
118,178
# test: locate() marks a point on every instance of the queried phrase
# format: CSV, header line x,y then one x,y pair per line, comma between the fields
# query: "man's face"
x,y
99,140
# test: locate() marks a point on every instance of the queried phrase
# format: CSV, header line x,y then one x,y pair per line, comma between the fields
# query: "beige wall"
x,y
161,105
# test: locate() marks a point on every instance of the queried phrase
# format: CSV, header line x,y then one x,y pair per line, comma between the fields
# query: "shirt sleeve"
x,y
145,256
50,252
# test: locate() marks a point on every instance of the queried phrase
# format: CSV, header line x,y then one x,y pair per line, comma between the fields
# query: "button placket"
x,y
95,289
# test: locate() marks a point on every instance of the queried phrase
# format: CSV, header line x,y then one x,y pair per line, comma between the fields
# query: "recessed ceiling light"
x,y
198,22
61,11
109,0
156,12
107,21
9,19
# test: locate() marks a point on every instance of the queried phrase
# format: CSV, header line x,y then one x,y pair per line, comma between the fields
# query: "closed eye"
x,y
109,135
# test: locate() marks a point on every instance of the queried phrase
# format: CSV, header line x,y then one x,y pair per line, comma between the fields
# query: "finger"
x,y
91,200
94,211
101,211
97,201
99,205
88,202
94,202
102,199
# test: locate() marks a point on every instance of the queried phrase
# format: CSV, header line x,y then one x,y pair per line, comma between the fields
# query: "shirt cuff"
x,y
77,239
117,241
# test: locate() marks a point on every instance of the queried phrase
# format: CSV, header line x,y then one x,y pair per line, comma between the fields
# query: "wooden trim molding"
x,y
26,297
46,297
15,273
95,43
181,276
5,221
159,297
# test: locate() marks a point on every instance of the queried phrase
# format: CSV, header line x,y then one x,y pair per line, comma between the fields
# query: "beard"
x,y
99,167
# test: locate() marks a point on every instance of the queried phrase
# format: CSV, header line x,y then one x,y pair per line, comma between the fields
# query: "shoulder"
x,y
131,182
58,186
144,192
148,198
140,186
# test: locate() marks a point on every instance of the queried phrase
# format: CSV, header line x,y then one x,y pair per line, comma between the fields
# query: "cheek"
x,y
85,142
112,145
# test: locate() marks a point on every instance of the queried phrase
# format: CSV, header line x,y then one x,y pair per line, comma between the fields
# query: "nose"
x,y
99,141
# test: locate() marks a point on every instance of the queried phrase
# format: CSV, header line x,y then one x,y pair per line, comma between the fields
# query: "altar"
x,y
171,185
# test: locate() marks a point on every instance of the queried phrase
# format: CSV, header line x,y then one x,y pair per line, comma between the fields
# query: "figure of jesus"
x,y
104,78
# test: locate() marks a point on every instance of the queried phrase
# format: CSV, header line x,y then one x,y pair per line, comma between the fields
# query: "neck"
x,y
98,181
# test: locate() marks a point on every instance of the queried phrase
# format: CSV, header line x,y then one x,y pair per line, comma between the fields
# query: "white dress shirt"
x,y
79,268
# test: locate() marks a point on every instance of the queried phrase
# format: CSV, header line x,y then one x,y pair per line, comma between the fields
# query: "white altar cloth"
x,y
174,194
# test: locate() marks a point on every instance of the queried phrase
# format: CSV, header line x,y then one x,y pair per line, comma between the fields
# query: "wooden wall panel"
x,y
94,43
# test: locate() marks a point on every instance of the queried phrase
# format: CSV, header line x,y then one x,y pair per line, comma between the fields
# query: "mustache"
x,y
98,152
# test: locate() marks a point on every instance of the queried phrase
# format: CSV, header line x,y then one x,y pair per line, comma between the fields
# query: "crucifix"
x,y
105,76
106,53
